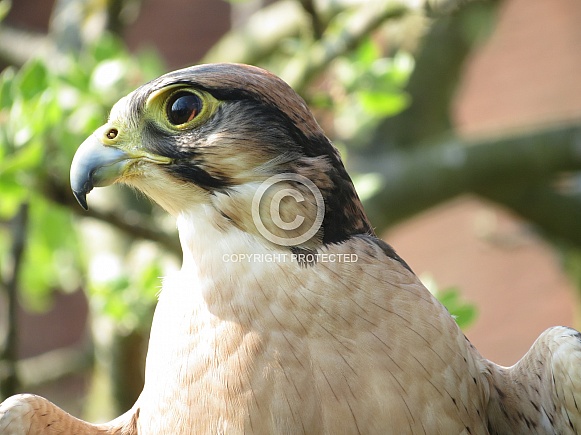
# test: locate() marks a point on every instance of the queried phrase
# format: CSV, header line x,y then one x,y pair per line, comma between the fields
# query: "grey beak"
x,y
95,164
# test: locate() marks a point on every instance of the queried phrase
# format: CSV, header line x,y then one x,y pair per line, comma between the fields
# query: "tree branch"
x,y
261,35
555,214
301,70
316,23
432,85
416,180
61,195
50,366
17,46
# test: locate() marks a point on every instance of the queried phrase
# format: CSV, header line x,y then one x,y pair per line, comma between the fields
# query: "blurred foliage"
x,y
46,111
370,87
464,312
127,300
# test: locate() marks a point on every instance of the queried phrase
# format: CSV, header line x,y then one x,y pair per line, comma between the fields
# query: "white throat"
x,y
204,234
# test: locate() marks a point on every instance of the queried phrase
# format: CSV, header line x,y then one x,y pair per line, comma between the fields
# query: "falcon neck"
x,y
210,241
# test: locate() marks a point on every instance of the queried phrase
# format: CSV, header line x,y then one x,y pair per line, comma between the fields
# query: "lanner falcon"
x,y
289,316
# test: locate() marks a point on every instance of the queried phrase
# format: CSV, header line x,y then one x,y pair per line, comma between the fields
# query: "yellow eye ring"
x,y
180,107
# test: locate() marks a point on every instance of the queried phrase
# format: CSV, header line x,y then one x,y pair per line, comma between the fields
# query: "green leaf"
x,y
108,47
24,158
6,84
463,312
32,79
367,53
383,104
51,256
13,194
129,300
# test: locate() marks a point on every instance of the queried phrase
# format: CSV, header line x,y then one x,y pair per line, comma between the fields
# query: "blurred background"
x,y
460,122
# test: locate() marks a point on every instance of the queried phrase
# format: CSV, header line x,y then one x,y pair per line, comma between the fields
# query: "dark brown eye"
x,y
182,107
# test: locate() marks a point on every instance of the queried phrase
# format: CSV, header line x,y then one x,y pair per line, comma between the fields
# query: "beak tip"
x,y
81,199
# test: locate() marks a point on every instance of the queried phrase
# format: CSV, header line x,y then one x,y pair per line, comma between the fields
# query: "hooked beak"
x,y
96,164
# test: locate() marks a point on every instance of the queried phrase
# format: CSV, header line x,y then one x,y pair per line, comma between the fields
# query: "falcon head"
x,y
234,139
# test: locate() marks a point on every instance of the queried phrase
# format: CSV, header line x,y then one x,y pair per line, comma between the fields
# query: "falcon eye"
x,y
182,107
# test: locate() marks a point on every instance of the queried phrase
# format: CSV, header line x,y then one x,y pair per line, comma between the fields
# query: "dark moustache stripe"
x,y
185,166
188,171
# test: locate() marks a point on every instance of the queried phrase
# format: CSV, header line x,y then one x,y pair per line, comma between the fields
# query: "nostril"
x,y
112,133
